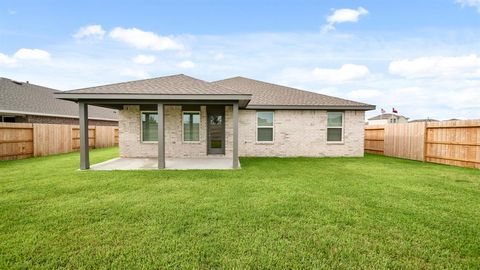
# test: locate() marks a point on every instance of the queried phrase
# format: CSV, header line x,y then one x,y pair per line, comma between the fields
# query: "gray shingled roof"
x,y
34,99
268,94
259,94
176,84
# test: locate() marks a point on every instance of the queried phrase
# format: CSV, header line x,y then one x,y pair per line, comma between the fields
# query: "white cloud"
x,y
286,58
342,16
32,54
347,72
95,31
470,3
23,54
460,99
144,40
186,64
144,59
467,66
6,60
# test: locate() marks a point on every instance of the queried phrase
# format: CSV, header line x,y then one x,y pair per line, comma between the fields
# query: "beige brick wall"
x,y
301,133
297,133
132,146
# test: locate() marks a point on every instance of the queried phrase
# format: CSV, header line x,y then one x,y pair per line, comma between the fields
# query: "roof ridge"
x,y
139,80
160,77
20,83
292,88
226,87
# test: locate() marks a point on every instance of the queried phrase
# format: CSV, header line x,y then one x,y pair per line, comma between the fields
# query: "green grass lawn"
x,y
372,212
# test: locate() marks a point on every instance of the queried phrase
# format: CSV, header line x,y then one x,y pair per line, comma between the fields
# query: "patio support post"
x,y
161,136
235,135
84,152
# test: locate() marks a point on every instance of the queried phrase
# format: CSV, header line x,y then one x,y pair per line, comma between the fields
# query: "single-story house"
x,y
24,102
183,117
387,118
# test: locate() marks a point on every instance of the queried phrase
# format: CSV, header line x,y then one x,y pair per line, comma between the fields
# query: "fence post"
x,y
33,141
425,141
94,137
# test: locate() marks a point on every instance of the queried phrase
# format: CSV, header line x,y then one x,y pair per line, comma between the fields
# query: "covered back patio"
x,y
170,106
211,161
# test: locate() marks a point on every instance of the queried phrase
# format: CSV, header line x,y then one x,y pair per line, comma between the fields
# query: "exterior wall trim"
x,y
257,126
141,127
54,115
309,107
199,126
343,131
77,96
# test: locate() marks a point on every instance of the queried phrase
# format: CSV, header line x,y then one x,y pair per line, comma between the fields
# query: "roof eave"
x,y
243,99
79,96
312,107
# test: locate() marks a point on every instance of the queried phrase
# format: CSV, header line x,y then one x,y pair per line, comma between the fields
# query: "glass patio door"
x,y
216,130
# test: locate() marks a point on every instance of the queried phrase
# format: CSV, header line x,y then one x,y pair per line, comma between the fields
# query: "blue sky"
x,y
421,57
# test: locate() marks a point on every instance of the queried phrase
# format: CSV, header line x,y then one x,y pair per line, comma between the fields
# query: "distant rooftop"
x,y
27,98
423,120
386,116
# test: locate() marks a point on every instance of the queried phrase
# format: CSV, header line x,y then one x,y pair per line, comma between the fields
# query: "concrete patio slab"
x,y
209,163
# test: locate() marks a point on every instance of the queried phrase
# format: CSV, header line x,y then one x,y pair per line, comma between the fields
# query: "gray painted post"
x,y
161,137
235,135
84,153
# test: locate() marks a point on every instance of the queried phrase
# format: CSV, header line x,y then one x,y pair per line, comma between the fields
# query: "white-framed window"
x,y
191,126
149,126
265,127
335,121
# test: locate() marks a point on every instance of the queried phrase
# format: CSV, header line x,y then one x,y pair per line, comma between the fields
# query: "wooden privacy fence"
x,y
448,142
18,140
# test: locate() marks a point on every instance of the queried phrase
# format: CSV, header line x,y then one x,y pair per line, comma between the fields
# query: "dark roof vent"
x,y
17,82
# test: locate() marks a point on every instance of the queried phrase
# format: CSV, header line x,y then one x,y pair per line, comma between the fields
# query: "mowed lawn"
x,y
372,212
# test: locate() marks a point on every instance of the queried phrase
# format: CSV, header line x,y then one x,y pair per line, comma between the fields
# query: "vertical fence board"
x,y
76,137
16,141
52,139
105,136
449,142
116,136
454,143
19,140
405,140
374,139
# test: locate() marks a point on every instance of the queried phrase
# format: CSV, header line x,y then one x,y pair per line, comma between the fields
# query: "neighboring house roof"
x,y
269,95
257,94
175,84
423,120
386,116
26,98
